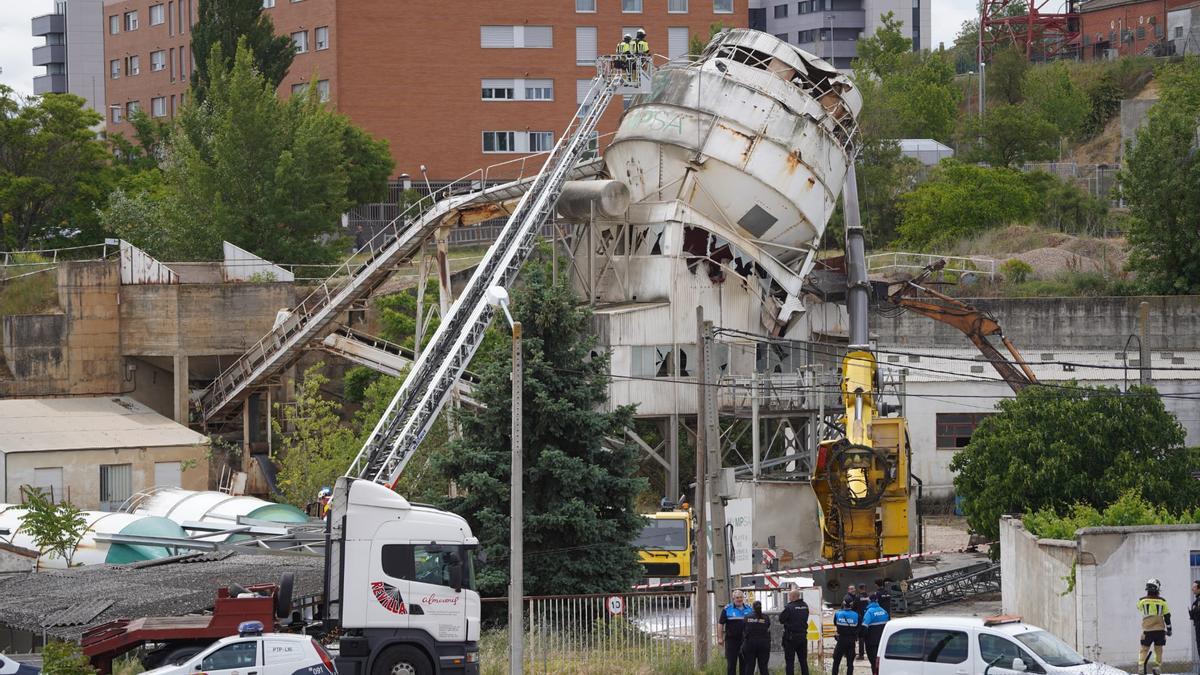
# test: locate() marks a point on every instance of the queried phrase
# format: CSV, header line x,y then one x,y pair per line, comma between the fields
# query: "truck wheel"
x,y
402,661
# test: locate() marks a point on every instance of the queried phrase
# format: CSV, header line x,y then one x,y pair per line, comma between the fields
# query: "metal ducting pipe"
x,y
609,197
858,287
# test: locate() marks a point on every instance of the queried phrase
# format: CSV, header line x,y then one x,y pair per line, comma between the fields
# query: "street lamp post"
x,y
498,297
829,19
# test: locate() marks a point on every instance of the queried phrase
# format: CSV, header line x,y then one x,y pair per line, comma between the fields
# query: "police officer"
x,y
874,618
1156,624
731,631
861,600
848,629
882,596
794,619
1194,612
756,647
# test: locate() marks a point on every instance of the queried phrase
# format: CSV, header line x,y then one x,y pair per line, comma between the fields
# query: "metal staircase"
x,y
361,273
417,403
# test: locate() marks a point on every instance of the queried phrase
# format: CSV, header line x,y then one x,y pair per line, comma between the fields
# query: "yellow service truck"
x,y
666,545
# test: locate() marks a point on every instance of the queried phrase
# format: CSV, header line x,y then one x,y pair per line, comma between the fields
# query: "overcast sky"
x,y
16,43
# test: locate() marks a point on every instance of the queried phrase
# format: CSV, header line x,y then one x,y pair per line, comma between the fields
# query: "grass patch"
x,y
34,291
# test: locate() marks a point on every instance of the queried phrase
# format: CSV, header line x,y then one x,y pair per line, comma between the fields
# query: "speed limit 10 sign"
x,y
615,604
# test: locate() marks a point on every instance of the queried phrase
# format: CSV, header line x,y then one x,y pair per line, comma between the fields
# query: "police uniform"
x,y
1194,613
848,628
883,597
860,606
756,645
1156,625
733,618
874,620
794,619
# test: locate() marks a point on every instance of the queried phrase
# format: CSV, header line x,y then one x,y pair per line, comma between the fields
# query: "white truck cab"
x,y
1000,645
400,584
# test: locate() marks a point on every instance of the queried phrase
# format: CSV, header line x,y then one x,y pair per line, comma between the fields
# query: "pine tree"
x,y
225,22
579,495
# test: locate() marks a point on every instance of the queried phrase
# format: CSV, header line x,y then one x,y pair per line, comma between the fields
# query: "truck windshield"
x,y
663,535
1050,649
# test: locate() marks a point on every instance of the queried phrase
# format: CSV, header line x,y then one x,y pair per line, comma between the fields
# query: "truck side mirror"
x,y
455,571
1019,665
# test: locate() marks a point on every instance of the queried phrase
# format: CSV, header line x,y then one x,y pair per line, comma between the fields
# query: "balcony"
x,y
50,84
49,23
47,54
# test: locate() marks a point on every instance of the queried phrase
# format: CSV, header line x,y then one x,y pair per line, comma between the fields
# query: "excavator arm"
x,y
973,322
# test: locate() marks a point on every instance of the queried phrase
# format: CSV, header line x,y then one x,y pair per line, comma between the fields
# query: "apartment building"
x,y
72,53
452,86
830,28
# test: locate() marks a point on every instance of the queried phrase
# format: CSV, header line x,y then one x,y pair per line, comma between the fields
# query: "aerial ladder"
x,y
415,406
975,323
527,201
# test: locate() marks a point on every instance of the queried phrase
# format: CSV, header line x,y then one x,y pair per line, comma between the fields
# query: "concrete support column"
x,y
181,388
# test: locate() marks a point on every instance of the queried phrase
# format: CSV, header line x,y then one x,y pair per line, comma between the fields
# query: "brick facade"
x,y
413,72
1129,28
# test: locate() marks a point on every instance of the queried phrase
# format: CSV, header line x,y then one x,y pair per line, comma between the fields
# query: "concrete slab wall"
x,y
1097,614
81,470
1034,575
199,319
1051,323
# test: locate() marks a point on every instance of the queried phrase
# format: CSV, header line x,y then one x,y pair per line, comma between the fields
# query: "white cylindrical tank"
x,y
89,551
756,133
215,508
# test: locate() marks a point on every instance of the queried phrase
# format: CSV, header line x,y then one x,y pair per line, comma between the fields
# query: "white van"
x,y
952,645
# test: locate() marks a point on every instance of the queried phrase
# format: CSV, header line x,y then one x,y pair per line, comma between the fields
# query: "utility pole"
x,y
712,461
1144,343
702,623
516,548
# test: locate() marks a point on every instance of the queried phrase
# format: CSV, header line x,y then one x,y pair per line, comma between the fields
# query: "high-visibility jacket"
x,y
1155,614
624,47
643,47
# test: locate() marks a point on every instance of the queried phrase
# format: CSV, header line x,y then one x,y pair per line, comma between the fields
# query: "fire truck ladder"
x,y
453,204
417,403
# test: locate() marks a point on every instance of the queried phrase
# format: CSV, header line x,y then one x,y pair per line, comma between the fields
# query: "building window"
x,y
268,4
585,45
1178,32
114,113
539,90
133,65
132,107
158,106
722,6
158,60
954,429
49,481
499,141
631,6
298,88
677,42
114,24
582,87
585,6
541,141
677,6
114,69
321,37
508,37
300,41
781,11
116,485
652,361
322,90
158,15
498,90
131,20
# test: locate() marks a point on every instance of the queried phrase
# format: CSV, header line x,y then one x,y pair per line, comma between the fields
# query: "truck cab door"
x,y
440,606
391,569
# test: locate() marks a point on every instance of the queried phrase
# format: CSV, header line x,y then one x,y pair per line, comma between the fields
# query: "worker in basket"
x,y
624,52
641,50
1156,624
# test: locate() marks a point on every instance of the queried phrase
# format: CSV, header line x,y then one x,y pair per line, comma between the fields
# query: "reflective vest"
x,y
643,47
624,47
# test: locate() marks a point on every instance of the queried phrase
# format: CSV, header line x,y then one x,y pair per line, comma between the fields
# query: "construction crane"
x,y
975,323
416,405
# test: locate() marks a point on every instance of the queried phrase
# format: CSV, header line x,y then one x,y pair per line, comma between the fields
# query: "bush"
x,y
1130,509
65,658
1016,271
961,201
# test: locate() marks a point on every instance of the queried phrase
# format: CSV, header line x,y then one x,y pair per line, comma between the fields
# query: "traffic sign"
x,y
615,604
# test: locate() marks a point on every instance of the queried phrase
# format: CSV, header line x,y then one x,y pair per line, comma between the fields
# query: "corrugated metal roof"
x,y
959,365
80,613
40,424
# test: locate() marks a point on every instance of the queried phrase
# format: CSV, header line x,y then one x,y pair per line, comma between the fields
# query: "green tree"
x,y
1065,206
54,528
315,446
1130,509
1006,75
880,55
579,496
1161,184
1052,447
962,200
922,97
270,176
697,43
1050,92
65,658
229,23
54,172
1014,134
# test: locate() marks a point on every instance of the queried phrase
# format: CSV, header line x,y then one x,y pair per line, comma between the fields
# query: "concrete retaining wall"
x,y
199,319
1034,575
1050,323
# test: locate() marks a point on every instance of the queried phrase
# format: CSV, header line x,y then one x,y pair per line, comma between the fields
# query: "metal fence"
x,y
1098,180
572,633
914,262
